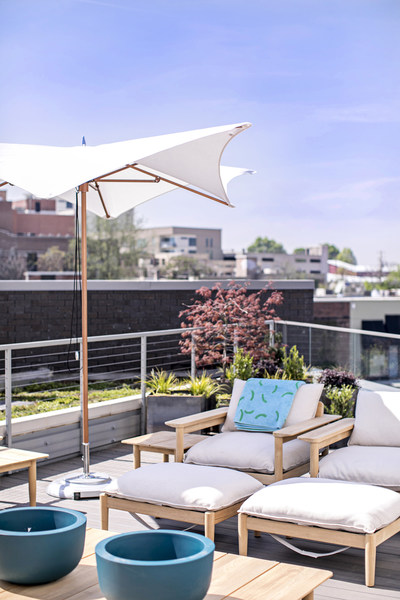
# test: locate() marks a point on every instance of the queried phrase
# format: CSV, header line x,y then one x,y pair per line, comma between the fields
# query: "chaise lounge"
x,y
268,457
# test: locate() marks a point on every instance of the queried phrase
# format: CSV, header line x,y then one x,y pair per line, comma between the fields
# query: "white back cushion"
x,y
303,408
377,420
238,387
305,403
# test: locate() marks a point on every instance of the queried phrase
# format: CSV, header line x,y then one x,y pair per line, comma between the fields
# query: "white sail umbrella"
x,y
111,179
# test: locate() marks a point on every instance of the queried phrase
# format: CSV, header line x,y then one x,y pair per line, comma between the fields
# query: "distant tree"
x,y
392,281
113,248
299,251
12,266
333,251
266,245
183,267
347,255
228,317
52,260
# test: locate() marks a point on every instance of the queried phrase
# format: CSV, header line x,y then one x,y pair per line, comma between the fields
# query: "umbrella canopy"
x,y
189,160
111,179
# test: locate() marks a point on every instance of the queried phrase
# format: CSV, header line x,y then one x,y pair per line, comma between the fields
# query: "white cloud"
x,y
367,113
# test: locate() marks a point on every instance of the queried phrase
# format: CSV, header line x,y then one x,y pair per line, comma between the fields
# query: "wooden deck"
x,y
348,567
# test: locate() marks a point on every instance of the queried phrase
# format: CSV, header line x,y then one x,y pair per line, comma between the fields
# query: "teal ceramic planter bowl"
x,y
155,565
40,544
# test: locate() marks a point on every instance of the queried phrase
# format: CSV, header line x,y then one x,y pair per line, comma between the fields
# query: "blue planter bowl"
x,y
40,544
155,565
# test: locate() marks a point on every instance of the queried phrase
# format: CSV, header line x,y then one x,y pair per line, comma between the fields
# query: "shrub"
x,y
338,378
341,400
242,367
202,385
160,382
293,365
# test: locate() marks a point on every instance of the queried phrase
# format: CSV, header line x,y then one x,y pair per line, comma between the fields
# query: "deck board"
x,y
348,567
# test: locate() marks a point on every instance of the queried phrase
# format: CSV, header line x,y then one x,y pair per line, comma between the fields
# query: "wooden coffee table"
x,y
235,577
163,442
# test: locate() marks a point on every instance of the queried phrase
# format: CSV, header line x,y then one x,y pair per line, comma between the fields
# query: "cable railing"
x,y
115,360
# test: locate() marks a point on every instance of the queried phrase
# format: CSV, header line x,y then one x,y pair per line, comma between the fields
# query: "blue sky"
x,y
319,80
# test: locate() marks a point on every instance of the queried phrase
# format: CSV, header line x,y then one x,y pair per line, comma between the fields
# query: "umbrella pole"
x,y
84,188
86,485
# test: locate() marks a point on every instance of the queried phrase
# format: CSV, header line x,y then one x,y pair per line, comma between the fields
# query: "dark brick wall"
x,y
332,313
330,347
40,314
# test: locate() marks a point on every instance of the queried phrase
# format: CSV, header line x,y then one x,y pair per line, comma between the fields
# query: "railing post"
x,y
143,373
8,394
309,345
193,358
235,341
271,341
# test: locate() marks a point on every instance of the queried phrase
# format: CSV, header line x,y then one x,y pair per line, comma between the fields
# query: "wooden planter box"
x,y
164,408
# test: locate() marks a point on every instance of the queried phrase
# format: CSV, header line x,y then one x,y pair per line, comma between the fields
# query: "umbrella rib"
x,y
180,185
97,187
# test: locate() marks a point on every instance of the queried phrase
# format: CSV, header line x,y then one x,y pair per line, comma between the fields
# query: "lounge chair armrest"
x,y
321,438
202,420
324,436
197,421
293,431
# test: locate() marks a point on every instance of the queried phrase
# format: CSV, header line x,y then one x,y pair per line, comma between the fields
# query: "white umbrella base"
x,y
82,486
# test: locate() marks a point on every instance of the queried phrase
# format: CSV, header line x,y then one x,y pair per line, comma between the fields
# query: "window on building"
x,y
206,242
37,206
211,242
192,241
268,259
300,260
315,272
315,260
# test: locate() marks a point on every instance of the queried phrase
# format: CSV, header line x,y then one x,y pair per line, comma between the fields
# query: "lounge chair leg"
x,y
243,534
104,511
257,534
209,525
370,560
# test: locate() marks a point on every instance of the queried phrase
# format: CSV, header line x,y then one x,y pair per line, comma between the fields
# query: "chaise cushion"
x,y
187,486
376,465
324,503
303,408
247,451
377,421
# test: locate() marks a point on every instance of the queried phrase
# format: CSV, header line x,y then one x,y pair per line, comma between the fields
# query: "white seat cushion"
x,y
303,408
187,486
377,420
247,451
376,465
324,503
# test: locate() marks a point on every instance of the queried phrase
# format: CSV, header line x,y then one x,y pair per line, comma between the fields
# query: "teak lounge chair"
x,y
373,451
268,457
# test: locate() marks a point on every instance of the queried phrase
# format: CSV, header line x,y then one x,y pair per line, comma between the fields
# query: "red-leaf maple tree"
x,y
225,318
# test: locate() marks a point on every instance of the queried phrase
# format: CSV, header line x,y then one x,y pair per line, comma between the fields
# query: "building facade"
x,y
30,226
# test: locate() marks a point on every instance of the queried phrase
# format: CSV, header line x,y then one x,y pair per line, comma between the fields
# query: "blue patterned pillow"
x,y
265,404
